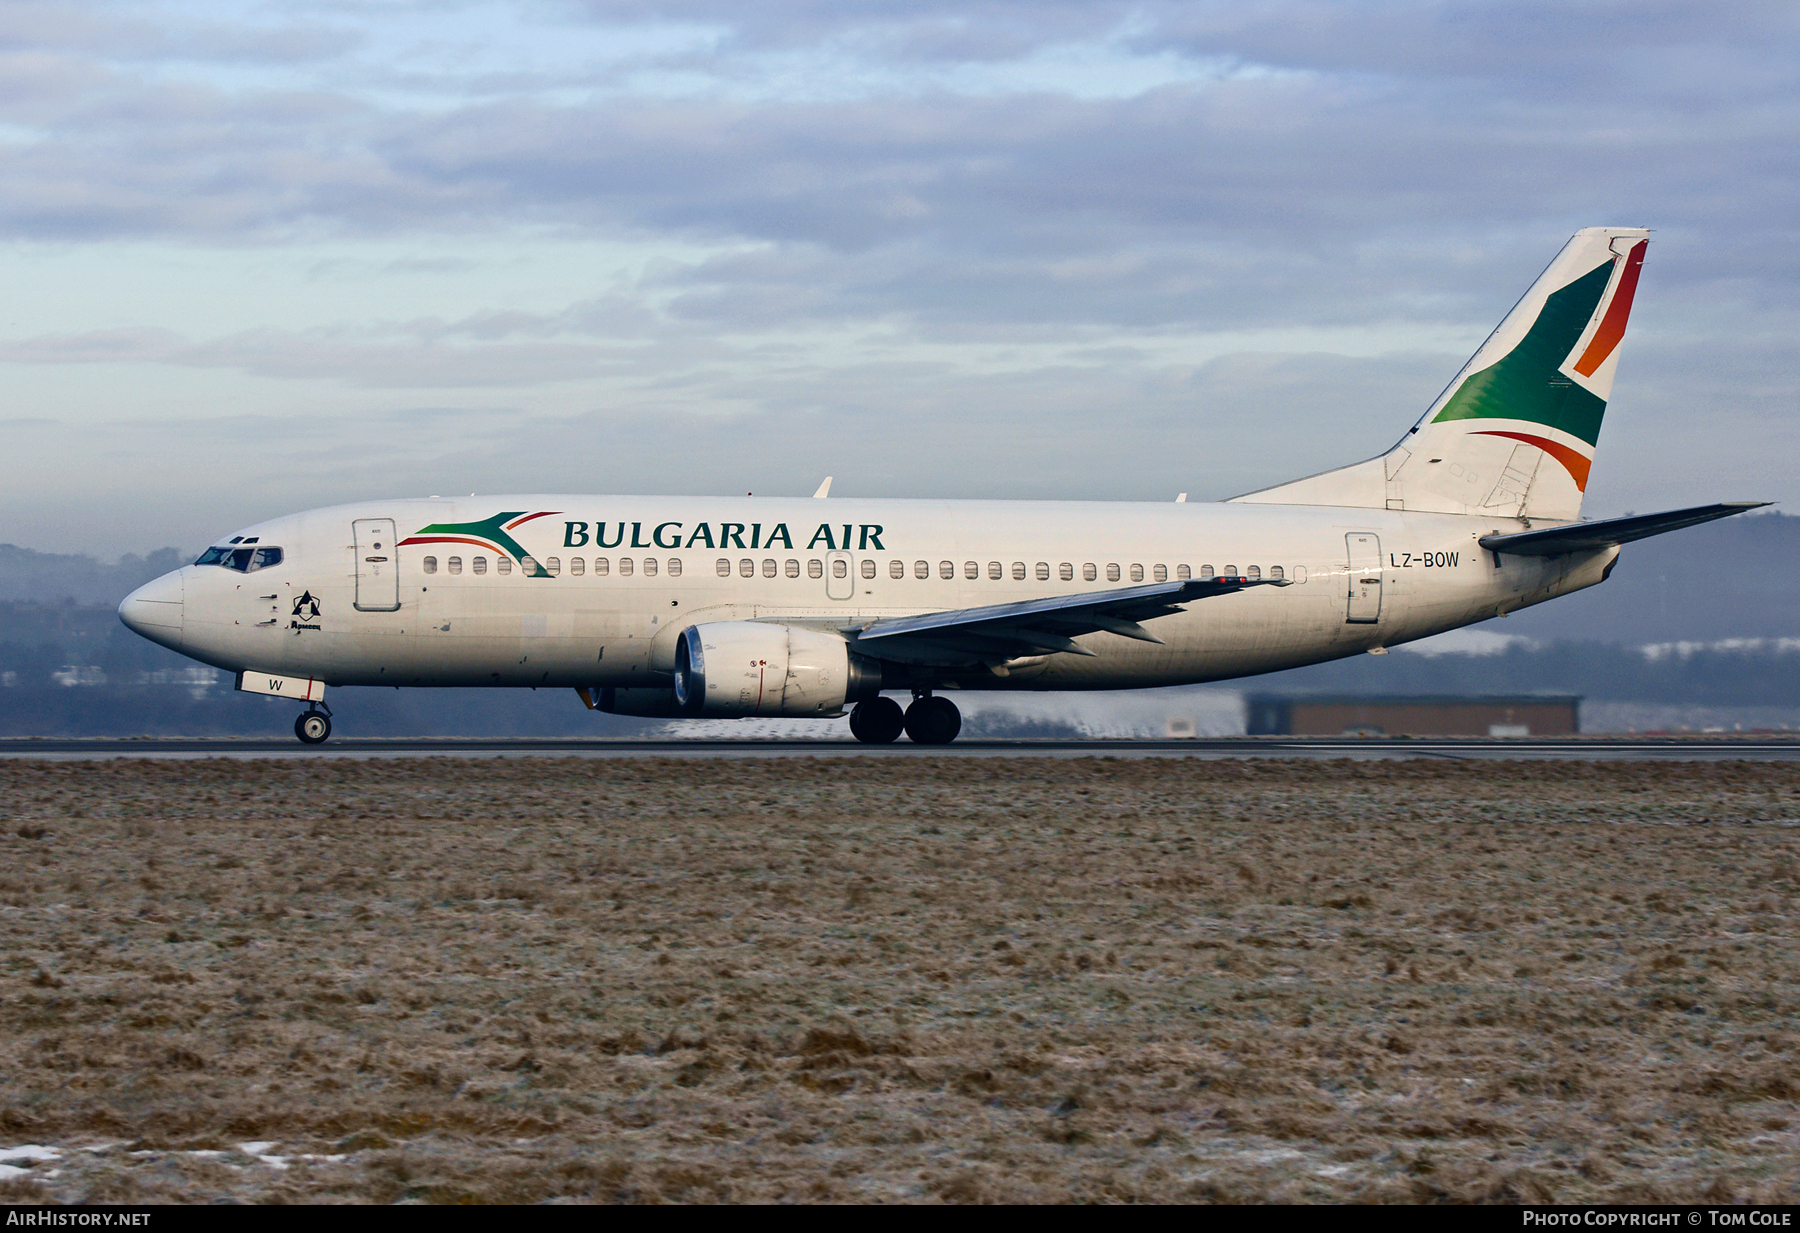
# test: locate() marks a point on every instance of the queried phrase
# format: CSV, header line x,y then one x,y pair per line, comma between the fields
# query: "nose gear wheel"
x,y
313,727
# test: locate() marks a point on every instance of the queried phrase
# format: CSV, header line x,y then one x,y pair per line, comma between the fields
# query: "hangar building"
x,y
1422,715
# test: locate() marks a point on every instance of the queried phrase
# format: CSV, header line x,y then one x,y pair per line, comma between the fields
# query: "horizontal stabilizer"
x,y
1610,532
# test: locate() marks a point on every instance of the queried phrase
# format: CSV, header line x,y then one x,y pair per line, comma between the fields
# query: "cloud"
x,y
150,33
959,248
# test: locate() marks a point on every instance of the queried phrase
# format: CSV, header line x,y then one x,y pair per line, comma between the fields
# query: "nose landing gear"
x,y
932,720
313,726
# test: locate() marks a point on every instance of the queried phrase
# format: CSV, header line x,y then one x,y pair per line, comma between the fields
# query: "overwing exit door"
x,y
1364,579
840,580
377,565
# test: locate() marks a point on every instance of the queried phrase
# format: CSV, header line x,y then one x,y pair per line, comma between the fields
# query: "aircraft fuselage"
x,y
595,591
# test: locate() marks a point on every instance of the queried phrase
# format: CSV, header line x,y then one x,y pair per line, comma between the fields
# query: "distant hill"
x,y
68,667
50,578
1730,579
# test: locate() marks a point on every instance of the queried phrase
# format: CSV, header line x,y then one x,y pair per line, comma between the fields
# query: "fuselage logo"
x,y
492,534
489,533
306,608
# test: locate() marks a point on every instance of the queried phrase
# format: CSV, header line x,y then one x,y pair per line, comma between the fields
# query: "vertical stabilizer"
x,y
1514,434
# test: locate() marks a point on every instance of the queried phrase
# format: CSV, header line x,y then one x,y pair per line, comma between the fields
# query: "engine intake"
x,y
741,668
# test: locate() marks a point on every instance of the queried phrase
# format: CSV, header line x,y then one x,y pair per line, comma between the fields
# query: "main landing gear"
x,y
930,720
313,726
877,721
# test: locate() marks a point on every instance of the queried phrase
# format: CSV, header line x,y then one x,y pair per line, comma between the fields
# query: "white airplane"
x,y
709,606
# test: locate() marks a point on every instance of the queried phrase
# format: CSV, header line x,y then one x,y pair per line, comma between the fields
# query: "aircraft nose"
x,y
155,609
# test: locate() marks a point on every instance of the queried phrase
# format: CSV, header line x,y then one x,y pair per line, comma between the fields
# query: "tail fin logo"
x,y
1612,326
1574,462
1530,383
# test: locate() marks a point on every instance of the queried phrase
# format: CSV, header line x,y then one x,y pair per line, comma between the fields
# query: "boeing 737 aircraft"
x,y
709,606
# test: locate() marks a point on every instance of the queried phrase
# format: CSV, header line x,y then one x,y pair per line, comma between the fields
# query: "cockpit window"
x,y
243,560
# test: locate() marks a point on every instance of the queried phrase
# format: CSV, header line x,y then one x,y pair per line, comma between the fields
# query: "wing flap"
x,y
1037,626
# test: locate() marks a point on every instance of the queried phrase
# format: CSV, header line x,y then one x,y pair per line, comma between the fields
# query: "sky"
x,y
262,257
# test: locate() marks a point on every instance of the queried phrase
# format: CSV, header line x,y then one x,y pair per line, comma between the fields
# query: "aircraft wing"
x,y
1001,632
1610,532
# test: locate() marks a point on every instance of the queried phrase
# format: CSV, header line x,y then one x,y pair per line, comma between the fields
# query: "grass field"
x,y
898,979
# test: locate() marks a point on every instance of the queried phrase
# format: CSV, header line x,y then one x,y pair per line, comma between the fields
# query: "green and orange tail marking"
x,y
1513,436
1523,417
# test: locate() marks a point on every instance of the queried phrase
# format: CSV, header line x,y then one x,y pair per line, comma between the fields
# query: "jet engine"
x,y
649,703
742,668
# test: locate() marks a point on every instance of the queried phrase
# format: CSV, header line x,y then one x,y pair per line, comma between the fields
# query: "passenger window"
x,y
265,557
770,568
921,569
971,569
1183,573
649,567
1137,573
1066,572
624,567
840,568
528,566
868,567
503,564
947,569
1206,573
1088,572
793,568
601,567
1230,572
453,565
1275,572
747,568
1253,573
1160,574
724,568
430,564
1018,571
1043,571
577,567
896,569
1112,573
815,568
478,565
994,570
674,567
553,566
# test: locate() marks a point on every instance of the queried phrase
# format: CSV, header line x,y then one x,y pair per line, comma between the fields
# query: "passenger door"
x,y
1364,578
377,565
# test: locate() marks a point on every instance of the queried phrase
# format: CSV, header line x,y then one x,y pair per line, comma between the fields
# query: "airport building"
x,y
1423,715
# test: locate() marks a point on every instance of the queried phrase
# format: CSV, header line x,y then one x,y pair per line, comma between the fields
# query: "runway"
x,y
1707,749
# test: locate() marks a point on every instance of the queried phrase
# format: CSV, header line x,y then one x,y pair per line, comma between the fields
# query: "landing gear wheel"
x,y
933,721
877,721
313,727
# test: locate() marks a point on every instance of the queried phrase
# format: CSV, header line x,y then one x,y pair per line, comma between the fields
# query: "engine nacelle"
x,y
741,668
647,703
